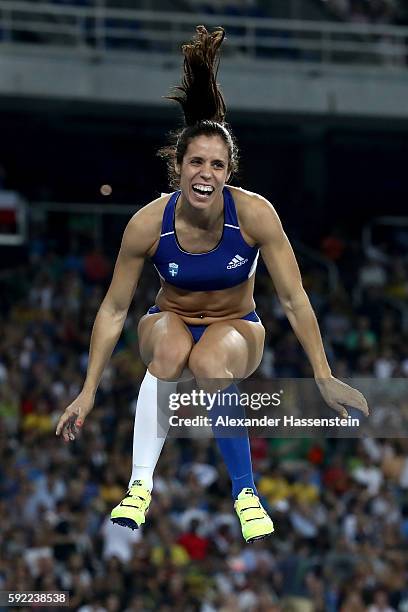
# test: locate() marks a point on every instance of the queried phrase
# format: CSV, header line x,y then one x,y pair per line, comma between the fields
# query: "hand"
x,y
338,395
74,415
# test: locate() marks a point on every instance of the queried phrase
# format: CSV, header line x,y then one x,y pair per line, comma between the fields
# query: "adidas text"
x,y
236,262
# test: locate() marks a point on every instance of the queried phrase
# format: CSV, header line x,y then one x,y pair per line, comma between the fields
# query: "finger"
x,y
61,423
72,428
77,424
363,406
67,429
340,409
68,435
359,402
59,426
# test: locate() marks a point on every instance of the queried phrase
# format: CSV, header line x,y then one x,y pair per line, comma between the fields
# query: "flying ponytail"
x,y
201,100
200,97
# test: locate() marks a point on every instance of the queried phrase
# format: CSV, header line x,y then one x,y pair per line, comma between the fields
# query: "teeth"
x,y
203,188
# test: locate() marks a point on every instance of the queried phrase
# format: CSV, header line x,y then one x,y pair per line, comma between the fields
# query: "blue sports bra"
x,y
229,264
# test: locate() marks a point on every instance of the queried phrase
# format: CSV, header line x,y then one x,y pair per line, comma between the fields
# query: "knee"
x,y
169,359
207,365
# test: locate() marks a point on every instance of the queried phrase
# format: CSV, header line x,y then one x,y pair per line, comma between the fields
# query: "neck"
x,y
203,218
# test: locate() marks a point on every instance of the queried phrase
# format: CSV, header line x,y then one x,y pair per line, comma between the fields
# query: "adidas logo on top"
x,y
236,262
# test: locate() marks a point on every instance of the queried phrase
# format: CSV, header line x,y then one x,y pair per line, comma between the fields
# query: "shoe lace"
x,y
139,495
249,508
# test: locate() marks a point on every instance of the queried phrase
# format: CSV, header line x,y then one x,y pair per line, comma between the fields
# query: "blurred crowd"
x,y
340,506
356,11
368,11
231,8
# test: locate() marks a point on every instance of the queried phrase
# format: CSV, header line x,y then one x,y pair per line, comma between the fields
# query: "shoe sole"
x,y
125,522
260,537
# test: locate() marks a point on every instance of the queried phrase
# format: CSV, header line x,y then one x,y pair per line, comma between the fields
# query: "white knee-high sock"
x,y
150,432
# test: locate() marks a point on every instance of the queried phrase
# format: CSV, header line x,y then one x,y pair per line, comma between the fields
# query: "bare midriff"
x,y
205,307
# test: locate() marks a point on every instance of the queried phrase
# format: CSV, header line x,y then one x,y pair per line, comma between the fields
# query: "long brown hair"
x,y
201,100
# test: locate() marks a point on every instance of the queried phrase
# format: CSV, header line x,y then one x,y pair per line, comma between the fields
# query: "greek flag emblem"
x,y
173,269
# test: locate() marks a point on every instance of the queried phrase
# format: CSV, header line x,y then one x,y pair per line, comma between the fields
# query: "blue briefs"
x,y
198,330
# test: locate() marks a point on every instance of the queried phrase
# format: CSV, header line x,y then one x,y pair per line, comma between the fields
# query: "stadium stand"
x,y
340,506
368,11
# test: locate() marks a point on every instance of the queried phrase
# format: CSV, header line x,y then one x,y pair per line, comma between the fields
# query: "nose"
x,y
206,171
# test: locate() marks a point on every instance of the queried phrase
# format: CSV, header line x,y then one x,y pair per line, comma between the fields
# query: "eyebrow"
x,y
218,161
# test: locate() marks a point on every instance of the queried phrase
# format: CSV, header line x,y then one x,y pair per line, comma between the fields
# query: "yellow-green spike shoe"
x,y
131,511
255,522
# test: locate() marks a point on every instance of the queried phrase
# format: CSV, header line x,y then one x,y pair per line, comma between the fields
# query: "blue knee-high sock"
x,y
233,442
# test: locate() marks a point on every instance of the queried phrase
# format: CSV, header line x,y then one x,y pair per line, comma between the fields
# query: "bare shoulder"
x,y
142,233
257,217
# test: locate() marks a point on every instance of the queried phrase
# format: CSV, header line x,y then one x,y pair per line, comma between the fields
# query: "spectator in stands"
x,y
58,534
380,602
372,274
97,268
366,11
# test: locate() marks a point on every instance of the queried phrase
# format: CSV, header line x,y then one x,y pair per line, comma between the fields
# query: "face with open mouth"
x,y
204,170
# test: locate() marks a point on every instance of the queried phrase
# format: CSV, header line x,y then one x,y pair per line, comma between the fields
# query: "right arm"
x,y
112,313
138,239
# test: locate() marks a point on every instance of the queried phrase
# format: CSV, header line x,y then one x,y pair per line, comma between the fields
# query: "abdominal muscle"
x,y
205,307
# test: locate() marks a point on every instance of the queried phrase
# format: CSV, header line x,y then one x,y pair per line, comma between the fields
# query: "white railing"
x,y
97,30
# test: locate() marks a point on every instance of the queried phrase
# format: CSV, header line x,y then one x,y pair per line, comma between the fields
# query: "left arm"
x,y
282,266
284,271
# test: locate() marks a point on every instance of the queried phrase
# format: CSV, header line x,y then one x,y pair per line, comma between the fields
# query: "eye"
x,y
219,164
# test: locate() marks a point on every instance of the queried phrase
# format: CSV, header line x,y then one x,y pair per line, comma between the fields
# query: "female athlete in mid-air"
x,y
204,241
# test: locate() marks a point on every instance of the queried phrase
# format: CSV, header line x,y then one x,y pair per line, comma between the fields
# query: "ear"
x,y
177,168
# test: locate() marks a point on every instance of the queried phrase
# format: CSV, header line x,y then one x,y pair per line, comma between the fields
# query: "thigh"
x,y
164,331
233,348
